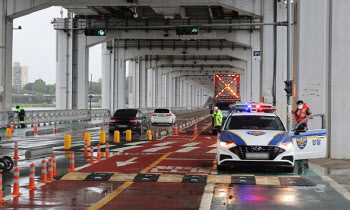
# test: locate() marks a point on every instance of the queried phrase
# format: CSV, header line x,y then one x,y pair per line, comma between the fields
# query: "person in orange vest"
x,y
300,113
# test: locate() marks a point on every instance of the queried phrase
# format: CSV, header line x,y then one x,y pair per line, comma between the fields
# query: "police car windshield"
x,y
254,123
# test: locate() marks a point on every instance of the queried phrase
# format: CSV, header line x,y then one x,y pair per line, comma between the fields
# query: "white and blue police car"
x,y
255,136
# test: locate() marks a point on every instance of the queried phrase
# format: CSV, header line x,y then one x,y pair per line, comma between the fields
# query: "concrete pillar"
x,y
80,72
119,77
310,56
137,82
131,84
107,59
64,69
169,88
255,66
150,87
268,58
158,87
163,91
143,80
6,36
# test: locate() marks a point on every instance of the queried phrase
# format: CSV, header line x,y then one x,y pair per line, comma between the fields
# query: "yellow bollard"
x,y
116,137
128,135
149,135
8,132
102,137
87,137
67,141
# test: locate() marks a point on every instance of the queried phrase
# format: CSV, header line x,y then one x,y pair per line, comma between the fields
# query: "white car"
x,y
253,138
163,116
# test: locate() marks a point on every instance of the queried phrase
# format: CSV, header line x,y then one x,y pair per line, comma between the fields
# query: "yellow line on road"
x,y
194,138
155,163
109,197
206,127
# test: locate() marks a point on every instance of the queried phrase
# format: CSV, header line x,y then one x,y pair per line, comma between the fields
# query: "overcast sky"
x,y
34,46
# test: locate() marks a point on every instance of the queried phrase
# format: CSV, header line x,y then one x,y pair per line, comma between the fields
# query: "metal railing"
x,y
53,116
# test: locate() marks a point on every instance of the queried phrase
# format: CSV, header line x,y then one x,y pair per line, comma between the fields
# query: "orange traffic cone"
x,y
85,148
54,164
1,200
176,131
32,178
15,156
16,183
55,129
98,153
84,125
91,155
35,128
107,150
12,128
43,172
195,131
71,162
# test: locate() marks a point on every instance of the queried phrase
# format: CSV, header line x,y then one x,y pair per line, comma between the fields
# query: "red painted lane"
x,y
185,164
158,196
136,163
63,195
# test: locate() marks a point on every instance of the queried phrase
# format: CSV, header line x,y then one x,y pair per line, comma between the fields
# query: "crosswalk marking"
x,y
155,149
187,149
213,151
163,144
124,148
190,144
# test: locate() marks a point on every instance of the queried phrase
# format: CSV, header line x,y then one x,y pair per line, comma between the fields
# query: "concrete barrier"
x,y
63,129
90,126
39,152
29,133
45,131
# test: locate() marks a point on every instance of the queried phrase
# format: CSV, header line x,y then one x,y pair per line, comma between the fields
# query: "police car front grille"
x,y
240,151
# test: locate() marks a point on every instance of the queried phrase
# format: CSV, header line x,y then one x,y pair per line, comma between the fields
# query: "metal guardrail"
x,y
53,116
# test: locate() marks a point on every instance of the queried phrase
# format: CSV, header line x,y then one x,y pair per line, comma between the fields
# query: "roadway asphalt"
x,y
175,172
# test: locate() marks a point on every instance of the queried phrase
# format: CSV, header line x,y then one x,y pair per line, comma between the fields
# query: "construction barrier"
x,y
32,177
8,133
102,137
116,137
71,162
16,182
87,137
149,135
67,141
128,135
43,172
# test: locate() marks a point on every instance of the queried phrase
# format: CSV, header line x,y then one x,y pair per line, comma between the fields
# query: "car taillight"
x,y
169,115
133,121
112,120
154,115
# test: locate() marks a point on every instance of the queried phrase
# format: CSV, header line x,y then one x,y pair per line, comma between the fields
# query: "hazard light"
x,y
252,107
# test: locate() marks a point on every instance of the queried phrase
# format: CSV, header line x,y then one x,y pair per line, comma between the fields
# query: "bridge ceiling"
x,y
144,12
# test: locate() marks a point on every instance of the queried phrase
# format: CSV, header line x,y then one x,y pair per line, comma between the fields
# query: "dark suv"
x,y
128,119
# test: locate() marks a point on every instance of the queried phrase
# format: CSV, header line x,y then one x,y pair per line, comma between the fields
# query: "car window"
x,y
254,123
125,113
139,115
161,111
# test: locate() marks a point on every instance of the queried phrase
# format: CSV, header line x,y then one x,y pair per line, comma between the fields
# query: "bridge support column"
x,y
107,59
6,36
143,85
133,96
158,87
118,75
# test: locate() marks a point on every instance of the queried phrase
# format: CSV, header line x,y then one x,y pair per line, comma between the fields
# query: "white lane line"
x,y
72,145
124,148
163,144
190,144
81,167
207,197
155,149
136,143
340,189
214,151
214,145
187,149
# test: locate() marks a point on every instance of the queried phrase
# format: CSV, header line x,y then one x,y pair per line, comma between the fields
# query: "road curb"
x,y
39,152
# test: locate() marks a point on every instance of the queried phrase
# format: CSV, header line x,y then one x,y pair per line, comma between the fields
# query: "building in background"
x,y
19,75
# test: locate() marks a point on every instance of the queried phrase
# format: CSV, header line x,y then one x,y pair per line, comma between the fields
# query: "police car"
x,y
255,136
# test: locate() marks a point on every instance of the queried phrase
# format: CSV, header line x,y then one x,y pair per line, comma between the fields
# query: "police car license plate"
x,y
256,156
122,126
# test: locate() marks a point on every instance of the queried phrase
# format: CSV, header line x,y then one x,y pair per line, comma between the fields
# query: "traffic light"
x,y
190,30
289,87
95,32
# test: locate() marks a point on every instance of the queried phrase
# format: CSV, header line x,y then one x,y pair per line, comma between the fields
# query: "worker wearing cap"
x,y
300,113
217,116
21,116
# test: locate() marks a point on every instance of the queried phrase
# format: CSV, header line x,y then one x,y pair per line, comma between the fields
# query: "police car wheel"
x,y
9,163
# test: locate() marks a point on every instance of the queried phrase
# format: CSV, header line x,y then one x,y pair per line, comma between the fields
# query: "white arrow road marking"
x,y
126,162
208,137
187,149
190,144
155,149
213,151
214,145
124,148
163,144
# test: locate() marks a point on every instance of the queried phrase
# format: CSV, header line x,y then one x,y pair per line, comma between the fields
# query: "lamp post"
x,y
90,96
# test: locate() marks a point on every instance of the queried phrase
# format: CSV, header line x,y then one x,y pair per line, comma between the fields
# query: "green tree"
x,y
95,88
40,98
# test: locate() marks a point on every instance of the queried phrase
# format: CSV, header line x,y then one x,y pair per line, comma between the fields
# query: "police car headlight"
x,y
286,146
226,144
